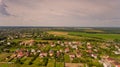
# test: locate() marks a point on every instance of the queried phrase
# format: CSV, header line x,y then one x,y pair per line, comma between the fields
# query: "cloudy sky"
x,y
60,13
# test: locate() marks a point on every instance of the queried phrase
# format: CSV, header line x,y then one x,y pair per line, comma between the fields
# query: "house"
x,y
117,52
43,54
20,54
27,54
58,42
111,60
105,63
74,46
74,42
61,50
88,43
39,45
8,43
38,51
10,38
95,50
72,56
116,47
28,43
119,49
70,43
89,46
105,56
67,50
94,56
58,53
62,44
89,51
66,44
51,53
53,45
32,50
116,64
78,55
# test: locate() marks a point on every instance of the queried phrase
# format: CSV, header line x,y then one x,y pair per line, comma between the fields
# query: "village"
x,y
65,52
57,51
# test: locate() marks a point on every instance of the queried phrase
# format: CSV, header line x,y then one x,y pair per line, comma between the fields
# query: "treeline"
x,y
53,37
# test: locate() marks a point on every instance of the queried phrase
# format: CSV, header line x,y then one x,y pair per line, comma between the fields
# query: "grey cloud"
x,y
3,8
62,12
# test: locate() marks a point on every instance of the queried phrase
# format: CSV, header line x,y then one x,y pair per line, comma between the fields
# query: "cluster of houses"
x,y
70,48
109,62
67,48
28,43
117,52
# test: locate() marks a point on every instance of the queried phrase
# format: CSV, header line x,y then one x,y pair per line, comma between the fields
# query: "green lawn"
x,y
17,65
67,58
38,61
28,60
9,65
51,63
59,64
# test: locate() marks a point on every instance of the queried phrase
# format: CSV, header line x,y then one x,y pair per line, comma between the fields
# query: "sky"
x,y
82,13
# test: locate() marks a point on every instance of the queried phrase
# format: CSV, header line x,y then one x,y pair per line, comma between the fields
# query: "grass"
x,y
3,56
17,65
13,49
103,36
8,65
51,63
37,61
14,60
59,64
28,60
67,58
23,59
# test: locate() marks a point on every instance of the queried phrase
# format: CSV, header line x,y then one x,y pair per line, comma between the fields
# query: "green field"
x,y
97,35
83,35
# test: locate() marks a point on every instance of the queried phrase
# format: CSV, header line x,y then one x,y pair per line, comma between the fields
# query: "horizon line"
x,y
65,26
